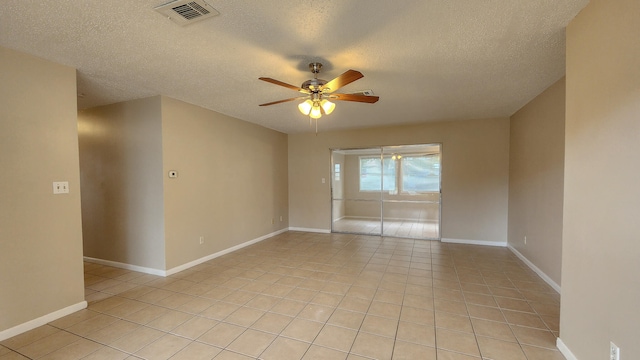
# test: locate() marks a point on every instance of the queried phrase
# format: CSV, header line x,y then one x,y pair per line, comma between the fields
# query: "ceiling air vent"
x,y
184,12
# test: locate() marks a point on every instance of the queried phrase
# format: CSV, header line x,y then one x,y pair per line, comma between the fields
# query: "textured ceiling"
x,y
426,59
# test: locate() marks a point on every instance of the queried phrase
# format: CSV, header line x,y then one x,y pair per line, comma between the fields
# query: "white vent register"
x,y
184,12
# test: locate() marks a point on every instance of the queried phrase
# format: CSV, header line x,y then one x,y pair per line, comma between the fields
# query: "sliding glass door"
x,y
390,191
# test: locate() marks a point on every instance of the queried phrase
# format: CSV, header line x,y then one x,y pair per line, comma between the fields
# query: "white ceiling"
x,y
426,59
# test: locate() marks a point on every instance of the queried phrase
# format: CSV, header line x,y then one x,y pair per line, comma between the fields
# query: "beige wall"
x,y
536,180
475,166
40,233
122,189
601,243
232,181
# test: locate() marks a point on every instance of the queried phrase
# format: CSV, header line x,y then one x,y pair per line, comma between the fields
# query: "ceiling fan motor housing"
x,y
314,85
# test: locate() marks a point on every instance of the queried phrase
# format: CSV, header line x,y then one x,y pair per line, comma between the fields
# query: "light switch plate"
x,y
60,187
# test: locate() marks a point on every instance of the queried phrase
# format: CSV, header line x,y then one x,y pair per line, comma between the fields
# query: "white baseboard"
x,y
322,231
474,242
540,273
126,266
193,263
565,350
182,267
30,325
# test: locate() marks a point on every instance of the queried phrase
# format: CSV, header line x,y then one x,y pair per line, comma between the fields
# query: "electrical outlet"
x,y
614,352
201,240
280,217
525,239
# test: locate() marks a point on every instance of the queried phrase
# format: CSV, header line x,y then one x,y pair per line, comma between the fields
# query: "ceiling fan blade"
x,y
289,86
347,77
355,97
285,100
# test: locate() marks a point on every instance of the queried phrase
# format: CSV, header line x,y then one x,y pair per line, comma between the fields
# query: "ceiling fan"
x,y
318,92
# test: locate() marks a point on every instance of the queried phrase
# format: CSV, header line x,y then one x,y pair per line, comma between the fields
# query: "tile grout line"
x,y
466,306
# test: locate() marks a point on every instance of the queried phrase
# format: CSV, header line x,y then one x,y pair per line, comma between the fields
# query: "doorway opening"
x,y
388,191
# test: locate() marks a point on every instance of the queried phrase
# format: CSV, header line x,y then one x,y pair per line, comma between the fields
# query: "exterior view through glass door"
x,y
390,191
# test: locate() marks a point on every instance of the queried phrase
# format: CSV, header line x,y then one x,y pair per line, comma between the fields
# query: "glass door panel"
x,y
412,207
357,216
412,219
355,189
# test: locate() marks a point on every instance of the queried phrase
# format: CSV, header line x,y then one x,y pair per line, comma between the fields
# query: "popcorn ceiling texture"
x,y
427,59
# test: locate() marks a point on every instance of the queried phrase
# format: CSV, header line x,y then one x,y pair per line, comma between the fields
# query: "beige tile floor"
x,y
312,296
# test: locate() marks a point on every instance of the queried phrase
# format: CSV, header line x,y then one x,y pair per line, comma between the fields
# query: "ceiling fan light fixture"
x,y
317,91
315,112
305,107
327,106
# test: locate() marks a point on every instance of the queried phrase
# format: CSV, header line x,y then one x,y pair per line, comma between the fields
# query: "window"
x,y
411,173
336,172
421,173
371,173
